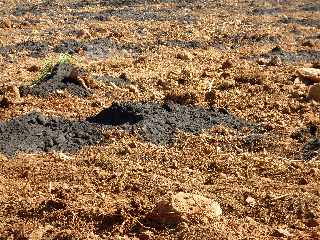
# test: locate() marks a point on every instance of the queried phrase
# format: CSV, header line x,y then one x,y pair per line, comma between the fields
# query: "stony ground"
x,y
180,77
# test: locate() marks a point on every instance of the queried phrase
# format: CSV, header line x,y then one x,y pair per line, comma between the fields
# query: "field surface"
x,y
109,107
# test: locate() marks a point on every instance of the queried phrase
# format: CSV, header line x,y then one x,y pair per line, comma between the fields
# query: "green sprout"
x,y
49,64
46,70
65,58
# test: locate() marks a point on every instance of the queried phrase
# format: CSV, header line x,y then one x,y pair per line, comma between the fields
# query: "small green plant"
x,y
49,64
46,70
65,58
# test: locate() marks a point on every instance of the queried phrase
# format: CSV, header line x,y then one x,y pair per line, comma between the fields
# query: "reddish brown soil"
x,y
204,53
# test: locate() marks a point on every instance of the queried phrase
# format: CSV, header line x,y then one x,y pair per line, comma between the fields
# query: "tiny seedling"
x,y
46,70
49,64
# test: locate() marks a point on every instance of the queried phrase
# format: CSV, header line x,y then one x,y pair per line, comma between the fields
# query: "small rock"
x,y
183,207
281,233
312,74
297,81
251,201
184,56
314,92
133,88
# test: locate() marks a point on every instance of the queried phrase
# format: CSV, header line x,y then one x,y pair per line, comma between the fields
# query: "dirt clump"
x,y
35,132
63,76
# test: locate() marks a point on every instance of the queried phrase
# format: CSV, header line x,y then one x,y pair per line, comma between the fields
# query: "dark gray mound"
x,y
311,149
158,123
63,76
35,133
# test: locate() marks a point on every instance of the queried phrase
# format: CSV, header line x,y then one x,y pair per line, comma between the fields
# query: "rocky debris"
x,y
184,207
35,132
312,74
10,95
159,123
314,92
63,76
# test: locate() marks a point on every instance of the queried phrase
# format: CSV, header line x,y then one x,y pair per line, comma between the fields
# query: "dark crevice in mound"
x,y
36,133
158,123
63,76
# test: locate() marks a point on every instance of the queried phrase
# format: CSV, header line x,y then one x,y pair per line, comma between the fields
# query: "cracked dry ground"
x,y
267,181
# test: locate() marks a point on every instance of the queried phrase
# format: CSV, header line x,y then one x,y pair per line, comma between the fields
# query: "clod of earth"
x,y
36,133
183,207
9,96
314,92
312,74
158,123
64,76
